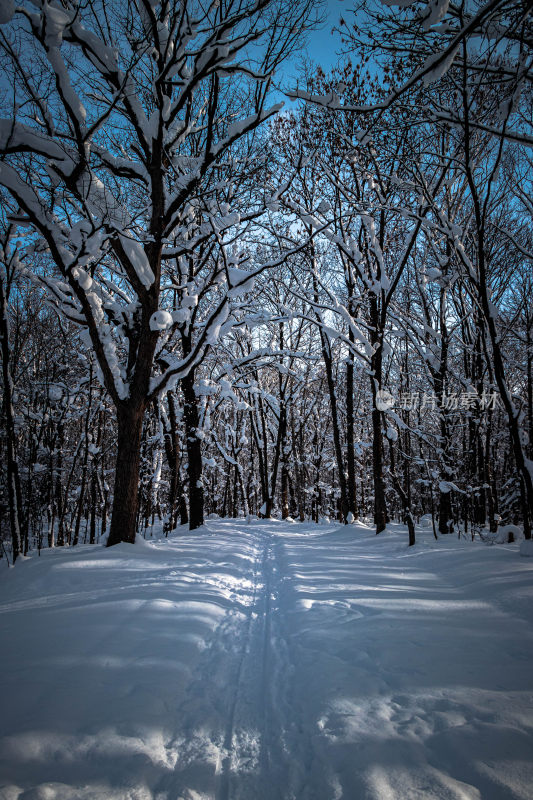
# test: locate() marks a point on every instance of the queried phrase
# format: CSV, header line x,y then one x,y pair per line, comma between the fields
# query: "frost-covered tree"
x,y
121,138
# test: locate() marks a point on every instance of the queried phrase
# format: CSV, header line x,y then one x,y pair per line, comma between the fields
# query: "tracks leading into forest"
x,y
254,632
240,689
252,750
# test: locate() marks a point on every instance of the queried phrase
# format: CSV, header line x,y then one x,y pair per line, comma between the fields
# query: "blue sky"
x,y
322,46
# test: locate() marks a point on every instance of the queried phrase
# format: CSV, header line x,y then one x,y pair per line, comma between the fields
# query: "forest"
x,y
232,290
266,291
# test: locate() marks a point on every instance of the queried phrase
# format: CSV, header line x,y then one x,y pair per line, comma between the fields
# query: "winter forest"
x,y
216,304
257,293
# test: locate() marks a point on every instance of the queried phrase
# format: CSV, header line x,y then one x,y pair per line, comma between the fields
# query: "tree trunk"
x,y
483,288
257,443
13,480
380,503
176,499
404,499
440,382
351,496
92,528
278,455
328,363
529,372
125,494
194,452
284,489
376,363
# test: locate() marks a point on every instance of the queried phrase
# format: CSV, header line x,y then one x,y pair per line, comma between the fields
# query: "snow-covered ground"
x,y
268,661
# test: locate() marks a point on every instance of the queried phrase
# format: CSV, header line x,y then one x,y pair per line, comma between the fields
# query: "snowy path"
x,y
268,661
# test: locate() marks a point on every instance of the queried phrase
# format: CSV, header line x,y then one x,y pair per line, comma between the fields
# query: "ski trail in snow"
x,y
274,670
203,746
256,761
230,754
252,754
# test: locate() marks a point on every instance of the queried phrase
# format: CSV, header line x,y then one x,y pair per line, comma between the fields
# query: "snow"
x,y
240,126
526,547
7,10
509,533
160,320
438,65
391,433
181,315
216,323
189,301
437,11
433,274
259,659
84,280
56,22
241,282
139,260
62,76
447,486
26,196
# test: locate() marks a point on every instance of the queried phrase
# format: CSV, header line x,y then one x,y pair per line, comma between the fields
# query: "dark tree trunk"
x,y
445,513
94,484
13,481
351,496
280,444
376,363
194,452
526,480
79,510
529,372
60,502
298,477
92,526
176,499
125,493
316,463
483,288
489,480
85,463
260,440
440,379
336,431
235,513
284,489
245,498
404,499
328,362
380,502
256,442
105,500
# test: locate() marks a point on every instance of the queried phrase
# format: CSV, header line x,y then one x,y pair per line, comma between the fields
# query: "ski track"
x,y
269,662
